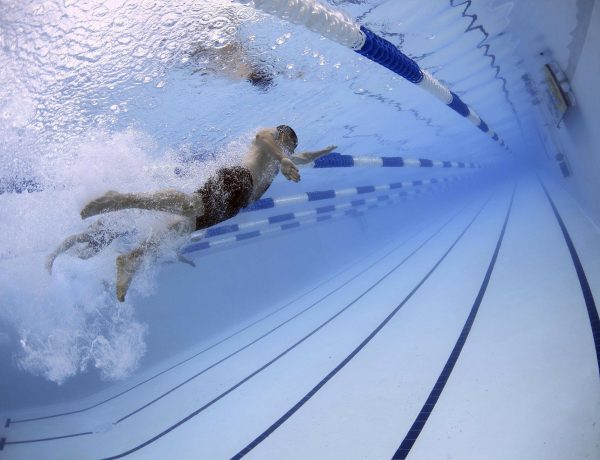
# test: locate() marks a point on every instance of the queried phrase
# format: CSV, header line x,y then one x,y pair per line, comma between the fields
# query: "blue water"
x,y
146,95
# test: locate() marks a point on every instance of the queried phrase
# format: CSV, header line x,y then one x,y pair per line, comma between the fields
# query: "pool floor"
x,y
470,337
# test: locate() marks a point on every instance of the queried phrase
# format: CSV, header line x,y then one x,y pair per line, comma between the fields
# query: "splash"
x,y
70,321
70,73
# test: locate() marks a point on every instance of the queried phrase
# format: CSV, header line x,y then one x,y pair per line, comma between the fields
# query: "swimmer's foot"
x,y
105,203
50,263
127,265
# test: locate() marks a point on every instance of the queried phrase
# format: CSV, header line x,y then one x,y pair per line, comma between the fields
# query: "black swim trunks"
x,y
224,195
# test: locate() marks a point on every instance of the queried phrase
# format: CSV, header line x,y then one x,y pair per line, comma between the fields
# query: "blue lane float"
x,y
337,160
318,215
341,28
268,203
287,221
288,217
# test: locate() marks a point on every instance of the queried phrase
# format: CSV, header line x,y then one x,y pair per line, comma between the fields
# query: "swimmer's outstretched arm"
x,y
308,157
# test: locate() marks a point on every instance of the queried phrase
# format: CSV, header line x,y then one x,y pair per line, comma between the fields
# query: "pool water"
x,y
439,303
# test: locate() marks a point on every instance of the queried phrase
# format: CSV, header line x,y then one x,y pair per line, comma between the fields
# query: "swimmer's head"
x,y
287,137
260,78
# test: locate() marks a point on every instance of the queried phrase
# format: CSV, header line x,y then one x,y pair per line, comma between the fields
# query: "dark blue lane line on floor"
x,y
54,438
348,358
265,366
427,409
9,421
583,281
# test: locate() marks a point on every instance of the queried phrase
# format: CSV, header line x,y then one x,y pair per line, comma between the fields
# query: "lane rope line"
x,y
341,28
318,195
337,160
268,226
586,291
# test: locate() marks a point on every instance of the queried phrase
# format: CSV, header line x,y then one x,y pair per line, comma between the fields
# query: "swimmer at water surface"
x,y
220,198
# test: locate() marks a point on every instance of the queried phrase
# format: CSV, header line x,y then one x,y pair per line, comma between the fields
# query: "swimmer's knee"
x,y
194,206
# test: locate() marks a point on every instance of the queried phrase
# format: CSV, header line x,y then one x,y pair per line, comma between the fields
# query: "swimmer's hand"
x,y
328,149
289,170
185,260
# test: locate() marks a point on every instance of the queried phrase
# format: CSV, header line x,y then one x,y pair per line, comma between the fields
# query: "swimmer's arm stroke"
x,y
308,157
267,143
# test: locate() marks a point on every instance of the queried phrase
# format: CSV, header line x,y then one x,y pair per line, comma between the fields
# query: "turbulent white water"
x,y
68,70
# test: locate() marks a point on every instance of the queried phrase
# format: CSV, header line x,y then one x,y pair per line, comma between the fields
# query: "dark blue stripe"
x,y
447,164
392,162
495,137
395,185
214,231
434,180
264,203
323,209
583,281
7,423
419,423
386,54
340,366
290,225
248,235
461,164
322,218
53,438
483,126
365,189
195,247
426,163
458,105
334,160
356,203
417,182
281,218
322,195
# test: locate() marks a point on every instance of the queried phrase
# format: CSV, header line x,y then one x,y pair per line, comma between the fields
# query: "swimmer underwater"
x,y
222,196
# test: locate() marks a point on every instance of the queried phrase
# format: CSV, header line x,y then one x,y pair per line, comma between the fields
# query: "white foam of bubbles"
x,y
70,322
70,57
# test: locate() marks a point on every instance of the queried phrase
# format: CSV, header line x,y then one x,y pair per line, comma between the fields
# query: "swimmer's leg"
x,y
64,246
166,200
128,264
